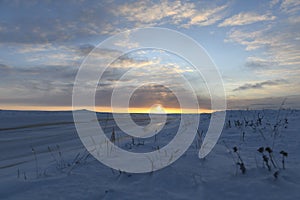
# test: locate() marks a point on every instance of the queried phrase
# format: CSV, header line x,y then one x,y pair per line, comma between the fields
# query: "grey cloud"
x,y
85,48
37,83
278,41
260,85
260,64
4,71
147,95
265,103
50,21
4,67
42,100
40,72
51,85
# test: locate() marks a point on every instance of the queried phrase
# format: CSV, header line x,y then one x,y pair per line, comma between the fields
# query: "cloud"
x,y
144,73
292,101
294,20
207,16
290,6
260,85
44,54
52,85
37,85
260,63
49,21
85,49
148,95
148,13
32,76
42,22
274,3
251,39
279,42
64,50
246,18
4,67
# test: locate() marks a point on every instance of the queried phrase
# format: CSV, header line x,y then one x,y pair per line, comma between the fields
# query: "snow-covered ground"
x,y
42,157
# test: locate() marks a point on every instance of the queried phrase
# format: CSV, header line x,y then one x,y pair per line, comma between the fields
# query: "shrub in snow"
x,y
240,161
284,154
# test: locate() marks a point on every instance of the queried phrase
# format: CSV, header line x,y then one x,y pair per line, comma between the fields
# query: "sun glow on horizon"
x,y
157,109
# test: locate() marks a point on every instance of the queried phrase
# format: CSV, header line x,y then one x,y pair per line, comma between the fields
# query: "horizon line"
x,y
148,110
97,111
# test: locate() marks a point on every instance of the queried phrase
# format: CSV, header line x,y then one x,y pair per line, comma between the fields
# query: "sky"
x,y
254,44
